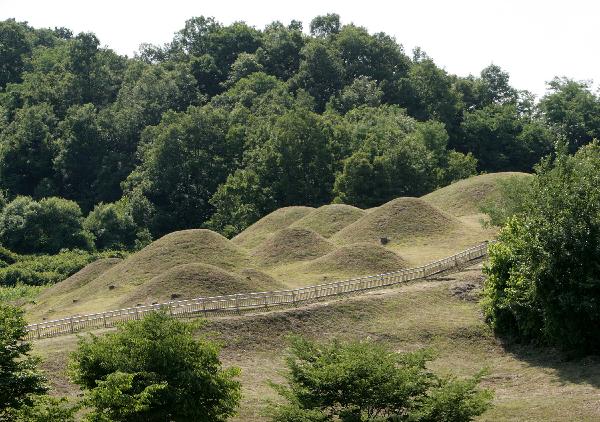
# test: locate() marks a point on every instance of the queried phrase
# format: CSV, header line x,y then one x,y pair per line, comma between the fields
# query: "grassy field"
x,y
296,246
530,384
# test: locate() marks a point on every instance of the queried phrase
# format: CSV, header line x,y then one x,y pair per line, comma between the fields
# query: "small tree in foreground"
x,y
364,381
19,378
154,370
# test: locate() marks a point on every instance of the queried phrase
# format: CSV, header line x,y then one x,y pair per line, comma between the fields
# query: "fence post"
x,y
104,319
237,304
38,330
204,307
294,298
137,315
71,323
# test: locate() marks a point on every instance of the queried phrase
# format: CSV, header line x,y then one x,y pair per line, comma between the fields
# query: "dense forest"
x,y
224,124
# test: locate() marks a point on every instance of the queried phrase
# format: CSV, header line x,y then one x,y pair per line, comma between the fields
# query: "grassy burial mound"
x,y
357,259
466,196
195,280
400,221
108,289
266,226
291,245
329,219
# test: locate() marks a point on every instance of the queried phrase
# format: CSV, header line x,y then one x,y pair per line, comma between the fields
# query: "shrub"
x,y
154,370
38,270
47,226
544,273
364,381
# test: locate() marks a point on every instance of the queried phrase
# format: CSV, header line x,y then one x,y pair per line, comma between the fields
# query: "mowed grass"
x,y
530,384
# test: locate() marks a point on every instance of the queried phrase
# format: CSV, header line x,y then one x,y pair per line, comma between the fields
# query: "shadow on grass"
x,y
569,368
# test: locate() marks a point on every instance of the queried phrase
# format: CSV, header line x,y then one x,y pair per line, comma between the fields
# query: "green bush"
x,y
47,226
364,381
154,370
39,270
543,279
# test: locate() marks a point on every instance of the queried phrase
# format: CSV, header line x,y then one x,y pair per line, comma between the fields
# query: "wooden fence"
x,y
206,306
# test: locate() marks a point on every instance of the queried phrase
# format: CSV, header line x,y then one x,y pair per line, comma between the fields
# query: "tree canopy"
x,y
223,123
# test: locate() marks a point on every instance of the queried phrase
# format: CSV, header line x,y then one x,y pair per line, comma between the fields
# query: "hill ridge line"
x,y
205,306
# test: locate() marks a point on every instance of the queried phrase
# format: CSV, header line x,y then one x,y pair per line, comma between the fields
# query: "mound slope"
x,y
82,277
290,245
399,220
466,196
329,219
194,280
358,259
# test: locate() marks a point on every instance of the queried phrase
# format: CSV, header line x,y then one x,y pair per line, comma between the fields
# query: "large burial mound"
x,y
291,245
108,289
195,280
466,196
329,219
357,259
399,221
263,228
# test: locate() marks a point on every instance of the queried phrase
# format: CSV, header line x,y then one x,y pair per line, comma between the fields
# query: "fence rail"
x,y
206,306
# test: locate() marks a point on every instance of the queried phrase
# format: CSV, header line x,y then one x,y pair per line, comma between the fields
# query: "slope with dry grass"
x,y
530,384
466,196
291,245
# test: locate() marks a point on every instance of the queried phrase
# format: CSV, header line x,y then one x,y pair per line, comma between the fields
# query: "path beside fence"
x,y
207,306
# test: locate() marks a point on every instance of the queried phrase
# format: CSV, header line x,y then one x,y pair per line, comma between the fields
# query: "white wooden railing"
x,y
206,306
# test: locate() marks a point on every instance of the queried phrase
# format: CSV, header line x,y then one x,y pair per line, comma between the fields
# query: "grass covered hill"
x,y
291,247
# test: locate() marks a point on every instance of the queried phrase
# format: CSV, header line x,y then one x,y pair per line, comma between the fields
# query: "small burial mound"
x,y
329,219
400,220
291,245
357,259
189,281
269,224
466,196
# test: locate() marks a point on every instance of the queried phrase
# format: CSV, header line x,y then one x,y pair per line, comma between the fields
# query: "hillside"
x,y
466,196
290,247
532,384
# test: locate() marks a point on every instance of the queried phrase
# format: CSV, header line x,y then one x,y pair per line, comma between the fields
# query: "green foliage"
x,y
543,281
39,270
79,121
198,142
154,370
573,109
28,226
114,228
513,193
364,381
47,409
19,379
18,292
